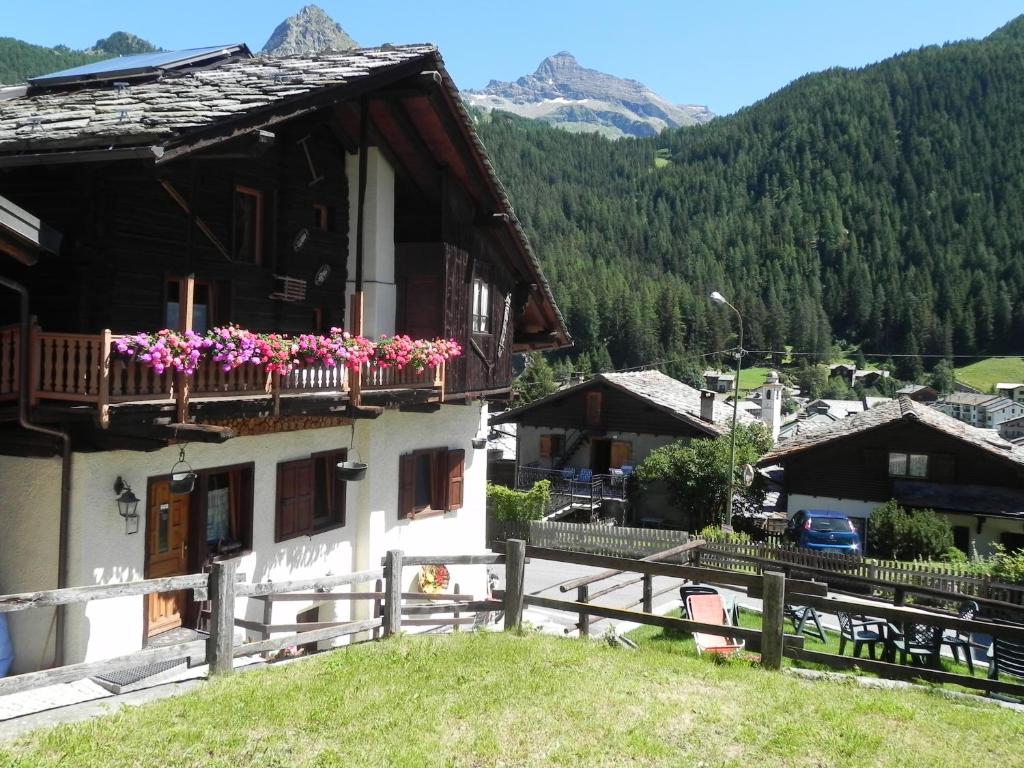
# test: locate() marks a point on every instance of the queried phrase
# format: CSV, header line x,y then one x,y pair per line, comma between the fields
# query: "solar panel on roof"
x,y
140,64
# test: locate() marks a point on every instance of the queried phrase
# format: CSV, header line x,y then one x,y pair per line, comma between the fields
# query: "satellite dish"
x,y
748,475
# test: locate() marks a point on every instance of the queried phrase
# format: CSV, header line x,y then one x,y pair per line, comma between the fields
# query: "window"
x,y
248,225
321,217
962,538
481,306
224,502
908,465
594,409
202,305
551,446
310,496
430,482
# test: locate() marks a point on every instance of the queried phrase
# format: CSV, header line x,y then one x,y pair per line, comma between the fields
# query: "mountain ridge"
x,y
565,94
309,31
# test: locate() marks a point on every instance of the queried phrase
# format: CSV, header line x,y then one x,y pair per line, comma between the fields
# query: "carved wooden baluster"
x,y
47,344
72,365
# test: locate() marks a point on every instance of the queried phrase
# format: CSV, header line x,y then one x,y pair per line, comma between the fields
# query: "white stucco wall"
x,y
30,520
100,552
379,292
849,507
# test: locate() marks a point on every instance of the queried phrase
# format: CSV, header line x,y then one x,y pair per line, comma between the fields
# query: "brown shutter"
x,y
545,446
622,453
406,484
456,467
593,409
294,499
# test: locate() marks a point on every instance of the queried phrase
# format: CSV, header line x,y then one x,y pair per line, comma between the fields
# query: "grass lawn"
x,y
752,378
488,699
985,374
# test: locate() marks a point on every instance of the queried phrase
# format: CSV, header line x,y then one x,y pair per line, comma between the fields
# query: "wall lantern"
x,y
183,479
127,506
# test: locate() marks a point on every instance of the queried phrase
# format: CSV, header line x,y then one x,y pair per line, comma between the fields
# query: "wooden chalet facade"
x,y
283,195
910,452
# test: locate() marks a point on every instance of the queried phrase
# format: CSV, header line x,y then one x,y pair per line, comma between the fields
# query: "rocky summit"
x,y
308,31
565,94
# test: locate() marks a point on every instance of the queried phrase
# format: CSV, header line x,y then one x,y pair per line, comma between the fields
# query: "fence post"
x,y
773,617
455,626
220,645
515,565
393,592
648,593
378,607
583,596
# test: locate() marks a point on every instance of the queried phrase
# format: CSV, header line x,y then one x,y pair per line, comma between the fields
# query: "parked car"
x,y
823,530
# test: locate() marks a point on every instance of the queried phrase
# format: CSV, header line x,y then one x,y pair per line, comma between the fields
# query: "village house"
x,y
719,382
1012,429
1012,391
296,195
918,456
985,411
920,393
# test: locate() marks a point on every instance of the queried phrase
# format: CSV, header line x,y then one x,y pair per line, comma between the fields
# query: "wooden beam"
x,y
51,597
203,227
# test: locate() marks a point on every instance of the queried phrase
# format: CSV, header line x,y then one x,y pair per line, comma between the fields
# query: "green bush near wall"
x,y
507,504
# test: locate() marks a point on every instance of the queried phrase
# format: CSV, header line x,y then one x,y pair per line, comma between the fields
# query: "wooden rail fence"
x,y
394,609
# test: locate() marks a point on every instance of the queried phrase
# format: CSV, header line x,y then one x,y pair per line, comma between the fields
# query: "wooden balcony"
x,y
85,370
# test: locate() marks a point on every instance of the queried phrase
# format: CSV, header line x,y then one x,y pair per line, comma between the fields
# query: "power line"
x,y
883,354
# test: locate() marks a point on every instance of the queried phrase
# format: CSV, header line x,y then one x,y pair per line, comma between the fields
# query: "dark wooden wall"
x,y
620,412
858,467
125,236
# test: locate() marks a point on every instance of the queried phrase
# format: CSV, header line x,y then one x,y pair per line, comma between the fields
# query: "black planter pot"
x,y
182,482
479,442
351,471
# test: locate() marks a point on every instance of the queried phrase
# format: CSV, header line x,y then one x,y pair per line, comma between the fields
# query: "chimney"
x,y
707,406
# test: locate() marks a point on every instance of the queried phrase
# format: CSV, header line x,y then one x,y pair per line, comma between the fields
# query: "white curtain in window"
x,y
918,465
898,464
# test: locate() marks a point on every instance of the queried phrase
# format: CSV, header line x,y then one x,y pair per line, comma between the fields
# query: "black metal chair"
x,y
800,615
920,643
856,630
1007,656
693,589
961,641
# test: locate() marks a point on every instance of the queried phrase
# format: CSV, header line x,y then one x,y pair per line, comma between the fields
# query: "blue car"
x,y
823,530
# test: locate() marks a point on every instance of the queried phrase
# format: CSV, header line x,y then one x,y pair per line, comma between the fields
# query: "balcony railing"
x,y
85,369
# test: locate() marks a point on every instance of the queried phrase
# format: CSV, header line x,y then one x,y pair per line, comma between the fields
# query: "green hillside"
x,y
20,60
985,374
882,207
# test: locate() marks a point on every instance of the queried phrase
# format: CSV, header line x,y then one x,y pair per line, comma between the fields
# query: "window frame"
x,y
338,520
257,235
442,481
907,463
199,510
481,324
211,301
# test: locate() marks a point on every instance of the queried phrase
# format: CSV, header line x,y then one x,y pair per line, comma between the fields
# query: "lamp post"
x,y
720,299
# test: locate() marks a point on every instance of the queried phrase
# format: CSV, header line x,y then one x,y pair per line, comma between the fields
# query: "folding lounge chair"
x,y
708,609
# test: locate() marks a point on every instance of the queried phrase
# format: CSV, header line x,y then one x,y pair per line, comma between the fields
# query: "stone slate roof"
x,y
903,408
163,109
670,395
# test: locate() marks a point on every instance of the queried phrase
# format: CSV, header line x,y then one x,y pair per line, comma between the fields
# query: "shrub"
x,y
1008,566
519,505
714,533
896,534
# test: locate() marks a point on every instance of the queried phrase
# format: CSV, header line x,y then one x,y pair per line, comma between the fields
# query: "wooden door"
x,y
167,526
622,453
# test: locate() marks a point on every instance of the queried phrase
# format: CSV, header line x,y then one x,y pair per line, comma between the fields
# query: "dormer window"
x,y
481,306
248,225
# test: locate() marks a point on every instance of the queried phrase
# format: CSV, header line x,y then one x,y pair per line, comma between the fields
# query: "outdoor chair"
x,y
961,641
858,630
687,590
800,615
569,473
616,477
708,609
920,642
627,470
1007,657
585,476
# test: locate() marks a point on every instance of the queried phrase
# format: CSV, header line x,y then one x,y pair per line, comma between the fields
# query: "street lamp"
x,y
720,299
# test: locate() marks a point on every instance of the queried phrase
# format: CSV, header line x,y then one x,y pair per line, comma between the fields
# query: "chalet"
x,y
986,411
613,420
910,452
211,192
920,393
719,382
1012,429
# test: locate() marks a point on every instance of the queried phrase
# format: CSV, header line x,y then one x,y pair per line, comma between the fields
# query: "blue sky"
x,y
722,53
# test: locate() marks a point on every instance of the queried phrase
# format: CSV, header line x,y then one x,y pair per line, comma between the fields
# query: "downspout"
x,y
364,133
65,470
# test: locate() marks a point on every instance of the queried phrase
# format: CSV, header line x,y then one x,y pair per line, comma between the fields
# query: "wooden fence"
x,y
393,611
585,537
946,577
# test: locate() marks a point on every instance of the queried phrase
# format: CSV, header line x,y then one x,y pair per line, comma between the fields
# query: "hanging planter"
x,y
183,479
351,471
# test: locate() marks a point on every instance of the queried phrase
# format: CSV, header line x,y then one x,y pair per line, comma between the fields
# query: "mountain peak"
x,y
308,31
564,93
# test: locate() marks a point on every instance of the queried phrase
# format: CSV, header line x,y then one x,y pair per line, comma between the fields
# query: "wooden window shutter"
x,y
545,446
406,485
456,467
622,453
295,489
